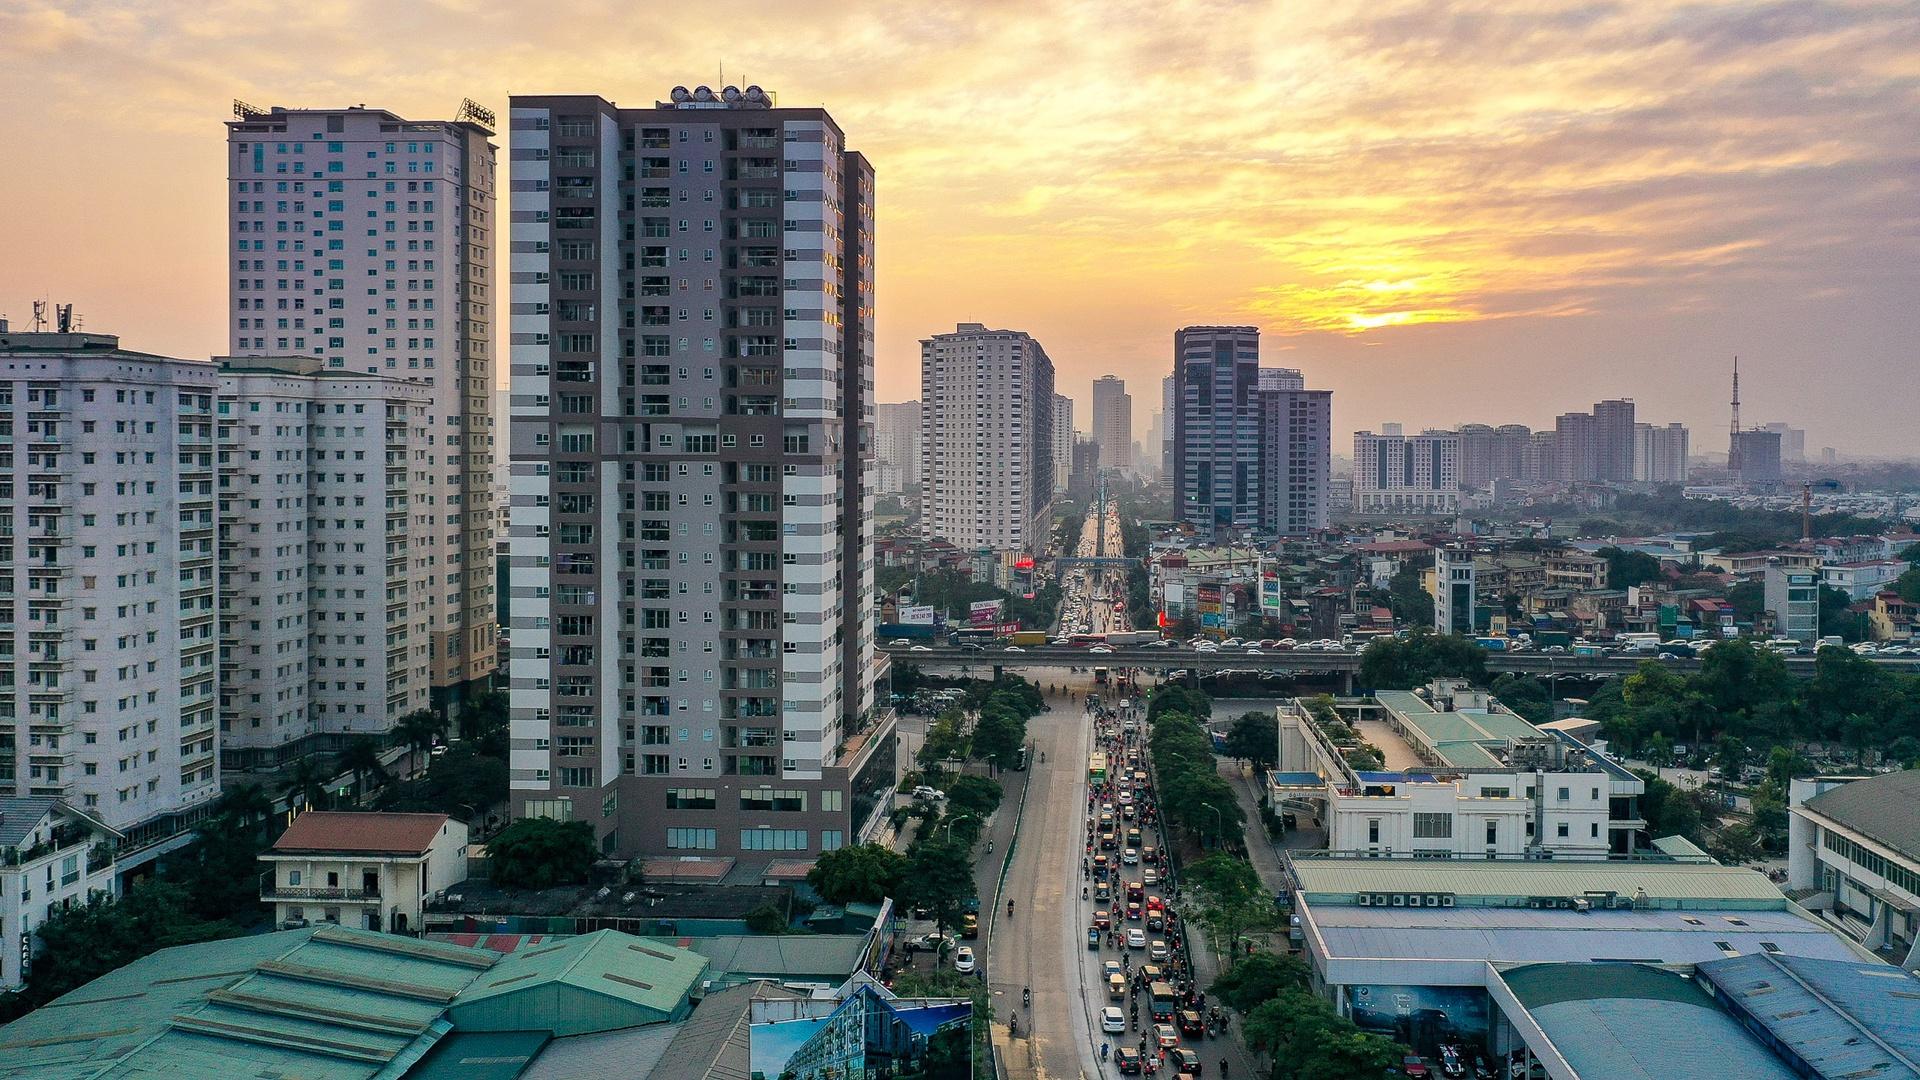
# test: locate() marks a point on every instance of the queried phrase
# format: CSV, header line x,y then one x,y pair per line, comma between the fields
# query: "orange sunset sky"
x,y
1444,212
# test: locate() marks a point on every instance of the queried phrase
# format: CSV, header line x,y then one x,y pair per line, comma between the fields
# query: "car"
x,y
1127,1060
1165,1037
1108,842
899,641
1134,911
1136,891
919,648
933,942
1103,919
1111,968
1149,856
963,960
1013,648
1130,856
1192,1024
1253,652
1112,1020
1157,950
1413,1065
1117,987
970,925
1100,649
1232,642
1185,1062
922,791
1156,920
1093,937
1136,938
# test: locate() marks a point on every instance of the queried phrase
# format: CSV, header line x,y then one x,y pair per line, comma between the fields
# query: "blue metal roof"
x,y
1841,1018
1296,779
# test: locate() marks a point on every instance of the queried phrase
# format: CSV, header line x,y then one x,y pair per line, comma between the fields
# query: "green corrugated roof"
x,y
1338,880
642,971
480,1055
321,1003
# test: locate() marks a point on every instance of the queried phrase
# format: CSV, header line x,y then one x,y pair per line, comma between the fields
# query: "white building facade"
x,y
1113,423
323,631
367,871
1851,843
1062,441
108,580
52,857
1406,474
986,438
366,240
896,447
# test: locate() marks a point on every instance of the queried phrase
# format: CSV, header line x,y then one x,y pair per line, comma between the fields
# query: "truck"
x,y
1132,637
1547,638
1492,644
1027,637
1589,649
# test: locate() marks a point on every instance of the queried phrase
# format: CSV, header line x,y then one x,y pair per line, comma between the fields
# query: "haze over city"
x,y
1444,214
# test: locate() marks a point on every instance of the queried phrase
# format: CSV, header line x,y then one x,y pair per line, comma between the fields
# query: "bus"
x,y
1100,676
1097,769
1161,1000
973,635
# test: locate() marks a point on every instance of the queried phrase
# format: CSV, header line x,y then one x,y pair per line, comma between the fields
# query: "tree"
x,y
1908,584
540,853
1230,896
221,871
420,729
1837,616
1203,804
82,943
863,873
1408,599
306,786
1307,1040
1260,977
1419,658
1784,763
1525,695
768,918
1180,699
1626,569
484,724
1748,598
939,876
944,740
976,795
362,758
1255,738
998,736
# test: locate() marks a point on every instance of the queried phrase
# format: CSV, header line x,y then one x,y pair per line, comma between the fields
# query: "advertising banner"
x,y
917,615
984,612
863,1036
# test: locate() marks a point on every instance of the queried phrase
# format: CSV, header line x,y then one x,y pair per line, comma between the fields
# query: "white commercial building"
x,y
1853,854
1463,778
1660,453
896,447
986,438
1406,474
367,871
108,581
323,625
365,240
52,857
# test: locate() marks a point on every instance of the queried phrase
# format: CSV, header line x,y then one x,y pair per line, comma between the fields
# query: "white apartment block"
x,y
1296,453
1062,441
366,240
108,581
321,637
1406,474
1660,453
52,857
986,443
896,447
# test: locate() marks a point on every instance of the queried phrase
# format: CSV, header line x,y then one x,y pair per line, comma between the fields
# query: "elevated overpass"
x,y
1345,665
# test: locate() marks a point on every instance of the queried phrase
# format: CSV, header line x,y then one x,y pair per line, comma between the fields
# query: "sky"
x,y
1445,213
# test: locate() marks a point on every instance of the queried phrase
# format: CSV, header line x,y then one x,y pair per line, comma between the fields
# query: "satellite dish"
x,y
681,94
730,95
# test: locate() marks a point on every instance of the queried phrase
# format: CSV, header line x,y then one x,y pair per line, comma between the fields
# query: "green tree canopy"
x,y
1307,1040
1525,695
862,873
1419,658
1408,599
539,853
1260,978
1255,738
1629,568
939,876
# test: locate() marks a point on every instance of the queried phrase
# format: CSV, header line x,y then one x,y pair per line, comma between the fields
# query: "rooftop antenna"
x,y
39,316
1733,433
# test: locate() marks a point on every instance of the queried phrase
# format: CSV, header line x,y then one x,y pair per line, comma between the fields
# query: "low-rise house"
x,y
52,857
366,870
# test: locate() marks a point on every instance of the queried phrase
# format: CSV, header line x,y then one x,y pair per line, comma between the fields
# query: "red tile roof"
x,y
321,830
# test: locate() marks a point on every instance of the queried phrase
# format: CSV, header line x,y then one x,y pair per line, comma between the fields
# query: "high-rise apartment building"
x,y
896,447
1510,452
1576,447
1169,412
1477,451
1793,441
109,585
1086,468
1296,432
366,240
1406,474
1279,378
1062,441
320,636
1613,440
1756,456
987,408
693,365
1660,453
1216,436
1113,422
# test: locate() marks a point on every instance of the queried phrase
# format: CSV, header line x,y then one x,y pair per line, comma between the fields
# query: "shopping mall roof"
x,y
1632,1022
1508,882
1838,1018
602,981
320,1003
1524,935
1885,808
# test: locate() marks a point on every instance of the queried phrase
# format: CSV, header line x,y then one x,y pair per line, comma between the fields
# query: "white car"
x,y
919,648
1157,952
1136,938
1113,1021
1130,856
899,641
1100,649
1013,648
963,961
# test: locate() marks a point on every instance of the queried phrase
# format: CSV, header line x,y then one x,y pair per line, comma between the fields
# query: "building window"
x,y
1373,830
1563,830
692,839
1432,826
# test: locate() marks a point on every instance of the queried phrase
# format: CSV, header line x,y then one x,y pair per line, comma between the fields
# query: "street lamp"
x,y
958,817
1219,822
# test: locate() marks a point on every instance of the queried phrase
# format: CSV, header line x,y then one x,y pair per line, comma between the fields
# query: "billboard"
x,y
917,615
1420,1016
863,1036
984,612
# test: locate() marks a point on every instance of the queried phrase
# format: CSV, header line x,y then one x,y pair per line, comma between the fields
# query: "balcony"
x,y
271,892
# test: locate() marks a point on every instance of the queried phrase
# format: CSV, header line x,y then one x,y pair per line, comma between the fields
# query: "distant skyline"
x,y
1442,214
